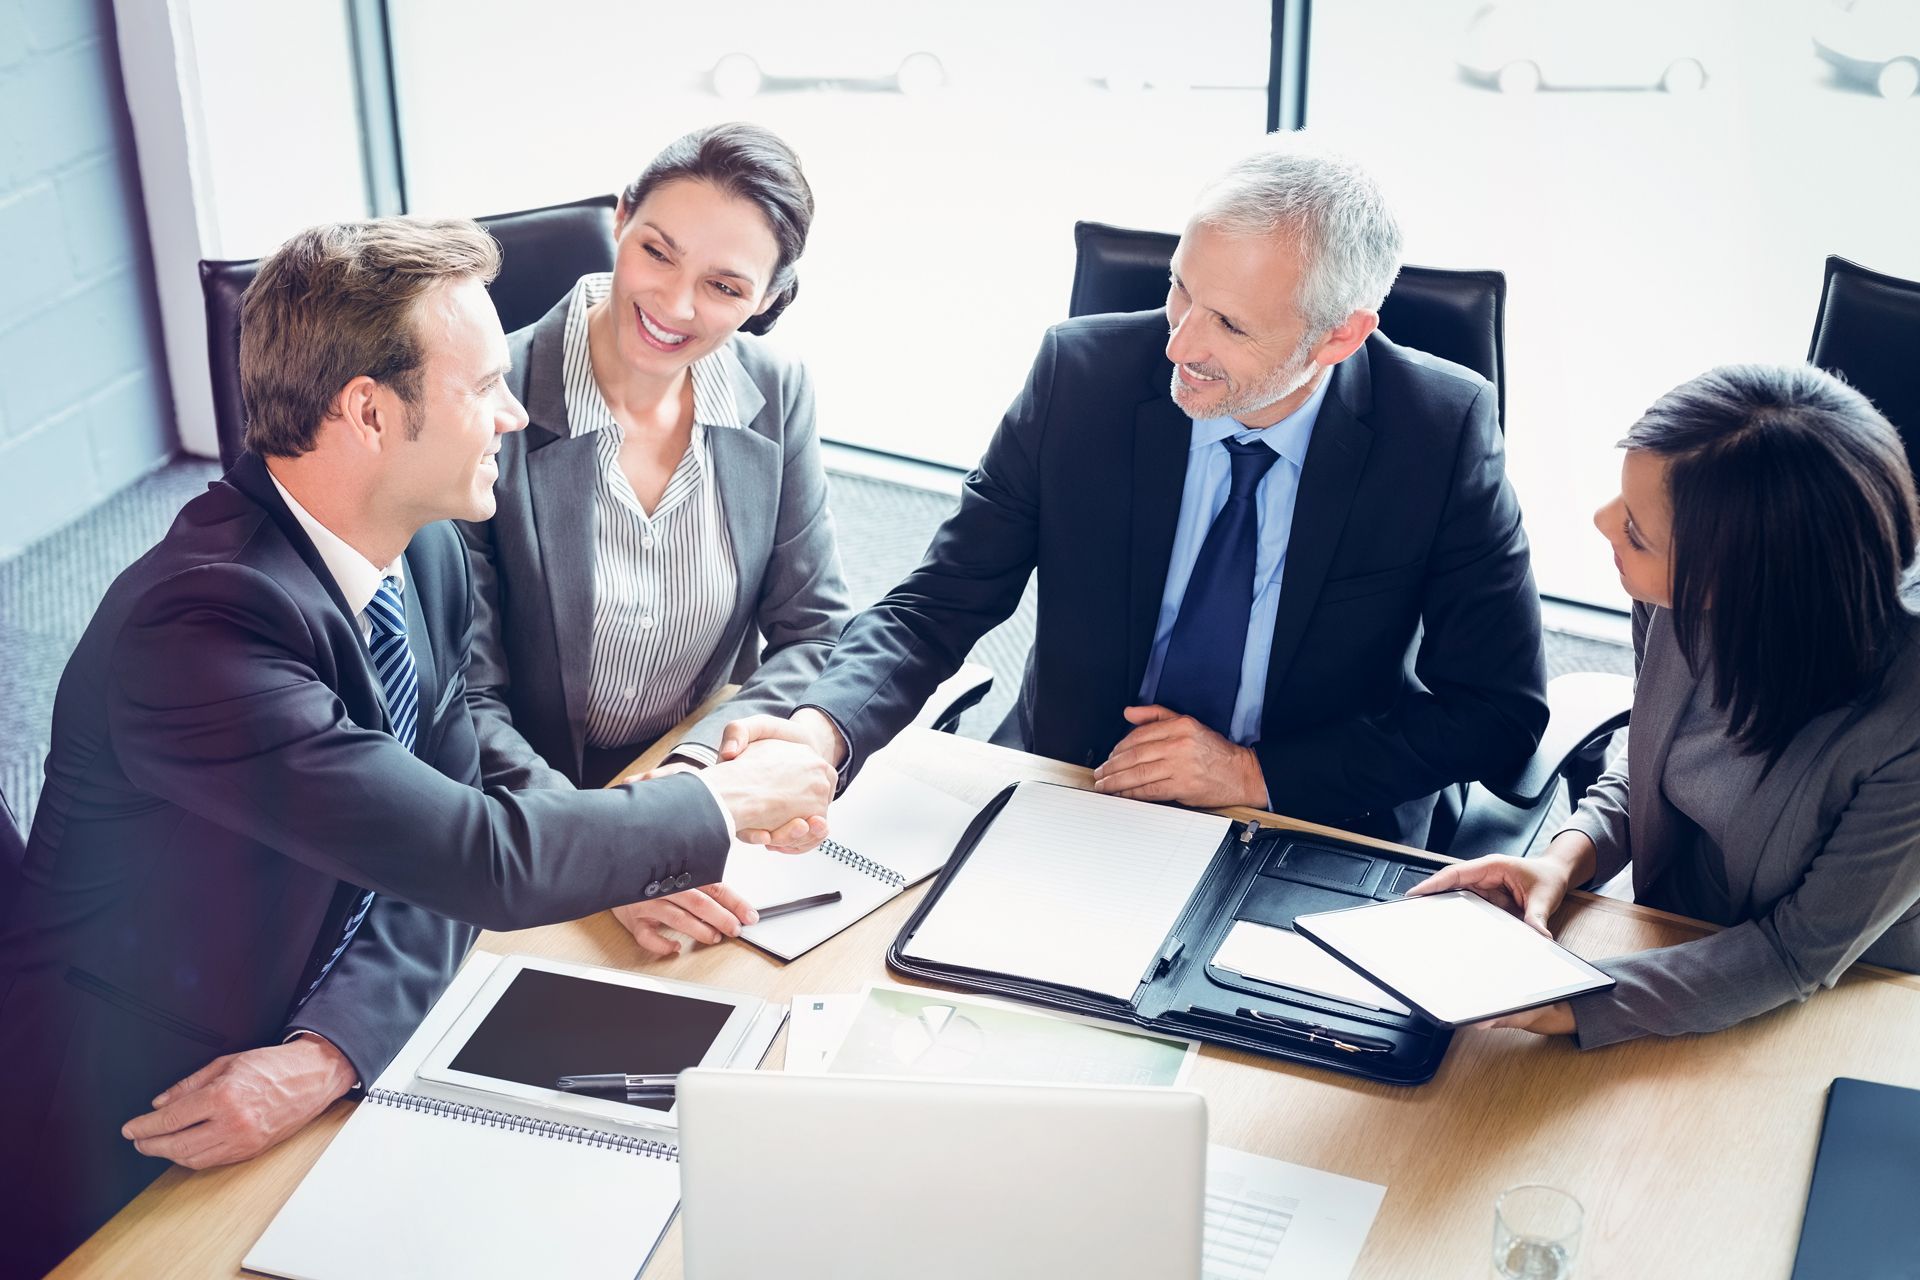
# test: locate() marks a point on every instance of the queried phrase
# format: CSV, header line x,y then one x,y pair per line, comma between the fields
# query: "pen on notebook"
x,y
1327,1035
618,1082
798,904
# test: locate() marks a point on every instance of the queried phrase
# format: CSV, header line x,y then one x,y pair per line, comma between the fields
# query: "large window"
x,y
1661,182
950,146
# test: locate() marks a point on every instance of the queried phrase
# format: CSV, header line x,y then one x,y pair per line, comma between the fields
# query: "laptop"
x,y
876,1178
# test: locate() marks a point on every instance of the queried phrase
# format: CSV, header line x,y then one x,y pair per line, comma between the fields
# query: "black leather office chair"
x,y
13,841
1456,315
543,251
1868,332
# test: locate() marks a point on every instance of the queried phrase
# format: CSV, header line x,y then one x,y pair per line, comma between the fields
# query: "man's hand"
x,y
808,727
1174,757
711,913
777,791
238,1105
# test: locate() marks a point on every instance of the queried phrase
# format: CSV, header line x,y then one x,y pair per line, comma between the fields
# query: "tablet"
x,y
534,1021
1455,957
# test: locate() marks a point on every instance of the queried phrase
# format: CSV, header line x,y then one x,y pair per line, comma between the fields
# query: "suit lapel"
x,y
1659,705
562,479
360,684
1336,456
1162,435
746,469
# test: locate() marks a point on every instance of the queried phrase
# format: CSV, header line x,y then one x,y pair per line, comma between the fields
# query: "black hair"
x,y
1794,521
752,164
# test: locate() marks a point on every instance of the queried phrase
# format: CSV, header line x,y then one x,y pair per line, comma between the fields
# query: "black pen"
x,y
633,1086
798,904
1321,1035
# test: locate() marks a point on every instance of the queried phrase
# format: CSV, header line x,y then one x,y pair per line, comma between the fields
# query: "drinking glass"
x,y
1536,1233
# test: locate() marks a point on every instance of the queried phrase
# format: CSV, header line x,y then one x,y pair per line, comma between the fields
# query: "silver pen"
x,y
619,1082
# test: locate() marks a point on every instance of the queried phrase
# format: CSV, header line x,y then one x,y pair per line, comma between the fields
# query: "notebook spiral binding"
x,y
878,870
507,1120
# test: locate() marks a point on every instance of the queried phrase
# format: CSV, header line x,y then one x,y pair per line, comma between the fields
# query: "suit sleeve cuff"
x,y
295,1033
726,816
694,753
847,766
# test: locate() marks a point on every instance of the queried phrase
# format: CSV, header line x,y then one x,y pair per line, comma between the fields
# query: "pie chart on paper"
x,y
937,1040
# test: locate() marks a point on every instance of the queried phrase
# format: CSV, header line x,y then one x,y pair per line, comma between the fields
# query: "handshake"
x,y
775,776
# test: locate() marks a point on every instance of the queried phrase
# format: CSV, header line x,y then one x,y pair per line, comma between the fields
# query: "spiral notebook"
x,y
424,1181
889,831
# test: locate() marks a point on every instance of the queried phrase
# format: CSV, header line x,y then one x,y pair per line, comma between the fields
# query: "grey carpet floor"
x,y
48,592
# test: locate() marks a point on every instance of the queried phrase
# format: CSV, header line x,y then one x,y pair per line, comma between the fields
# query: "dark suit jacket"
x,y
1406,655
534,563
222,776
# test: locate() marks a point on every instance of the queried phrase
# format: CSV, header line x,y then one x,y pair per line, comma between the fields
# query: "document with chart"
x,y
1267,1219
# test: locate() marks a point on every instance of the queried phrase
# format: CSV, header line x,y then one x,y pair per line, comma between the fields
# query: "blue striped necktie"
x,y
393,660
1200,675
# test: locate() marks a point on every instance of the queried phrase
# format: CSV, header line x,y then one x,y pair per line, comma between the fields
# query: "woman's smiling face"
x,y
692,264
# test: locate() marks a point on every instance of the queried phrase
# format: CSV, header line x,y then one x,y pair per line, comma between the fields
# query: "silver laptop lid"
x,y
857,1177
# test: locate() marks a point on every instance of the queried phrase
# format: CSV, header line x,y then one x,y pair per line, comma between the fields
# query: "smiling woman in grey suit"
x,y
1765,523
664,513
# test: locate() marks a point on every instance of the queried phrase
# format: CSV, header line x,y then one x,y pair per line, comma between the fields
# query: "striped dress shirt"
x,y
664,581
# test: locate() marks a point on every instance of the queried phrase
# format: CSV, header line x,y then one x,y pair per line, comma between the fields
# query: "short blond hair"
x,y
336,302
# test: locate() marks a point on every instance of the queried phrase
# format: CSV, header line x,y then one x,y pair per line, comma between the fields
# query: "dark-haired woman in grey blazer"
x,y
1766,527
663,516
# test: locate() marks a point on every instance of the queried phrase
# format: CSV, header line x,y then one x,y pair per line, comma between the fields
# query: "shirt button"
x,y
630,692
646,544
646,622
652,889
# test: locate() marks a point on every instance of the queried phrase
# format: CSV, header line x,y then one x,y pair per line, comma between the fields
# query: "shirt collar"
x,y
714,403
356,576
1288,437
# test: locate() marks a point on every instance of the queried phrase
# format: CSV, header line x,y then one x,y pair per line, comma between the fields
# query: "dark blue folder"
x,y
1861,1221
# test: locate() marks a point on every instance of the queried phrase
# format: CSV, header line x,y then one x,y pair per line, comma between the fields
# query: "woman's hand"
x,y
1531,888
1547,1020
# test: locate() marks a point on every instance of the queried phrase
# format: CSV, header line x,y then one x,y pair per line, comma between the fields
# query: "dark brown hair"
x,y
1794,520
336,302
751,164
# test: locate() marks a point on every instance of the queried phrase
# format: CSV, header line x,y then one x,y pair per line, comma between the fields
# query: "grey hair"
x,y
1348,237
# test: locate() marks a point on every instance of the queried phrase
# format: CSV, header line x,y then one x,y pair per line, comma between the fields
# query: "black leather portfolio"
x,y
1860,1222
1228,970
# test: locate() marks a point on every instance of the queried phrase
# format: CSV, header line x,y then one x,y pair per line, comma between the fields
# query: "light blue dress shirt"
x,y
1208,476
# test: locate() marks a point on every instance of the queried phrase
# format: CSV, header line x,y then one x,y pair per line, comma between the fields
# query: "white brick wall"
x,y
83,401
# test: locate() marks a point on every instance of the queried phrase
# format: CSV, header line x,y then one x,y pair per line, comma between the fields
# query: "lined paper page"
x,y
1072,888
887,817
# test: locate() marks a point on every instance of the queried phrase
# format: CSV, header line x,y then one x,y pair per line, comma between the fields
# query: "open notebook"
x,y
889,831
430,1180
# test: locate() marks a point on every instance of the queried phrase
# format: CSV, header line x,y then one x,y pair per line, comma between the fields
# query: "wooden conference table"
x,y
1691,1156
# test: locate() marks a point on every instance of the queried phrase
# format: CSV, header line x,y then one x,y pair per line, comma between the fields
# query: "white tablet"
x,y
537,1020
1455,957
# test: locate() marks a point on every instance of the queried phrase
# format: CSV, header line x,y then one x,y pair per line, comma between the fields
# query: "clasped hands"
x,y
1169,756
776,777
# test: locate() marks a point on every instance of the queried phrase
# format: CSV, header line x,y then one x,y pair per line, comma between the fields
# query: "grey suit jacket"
x,y
1823,869
533,563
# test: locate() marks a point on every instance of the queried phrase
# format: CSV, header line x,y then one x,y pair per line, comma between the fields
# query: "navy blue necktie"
x,y
1200,676
387,645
